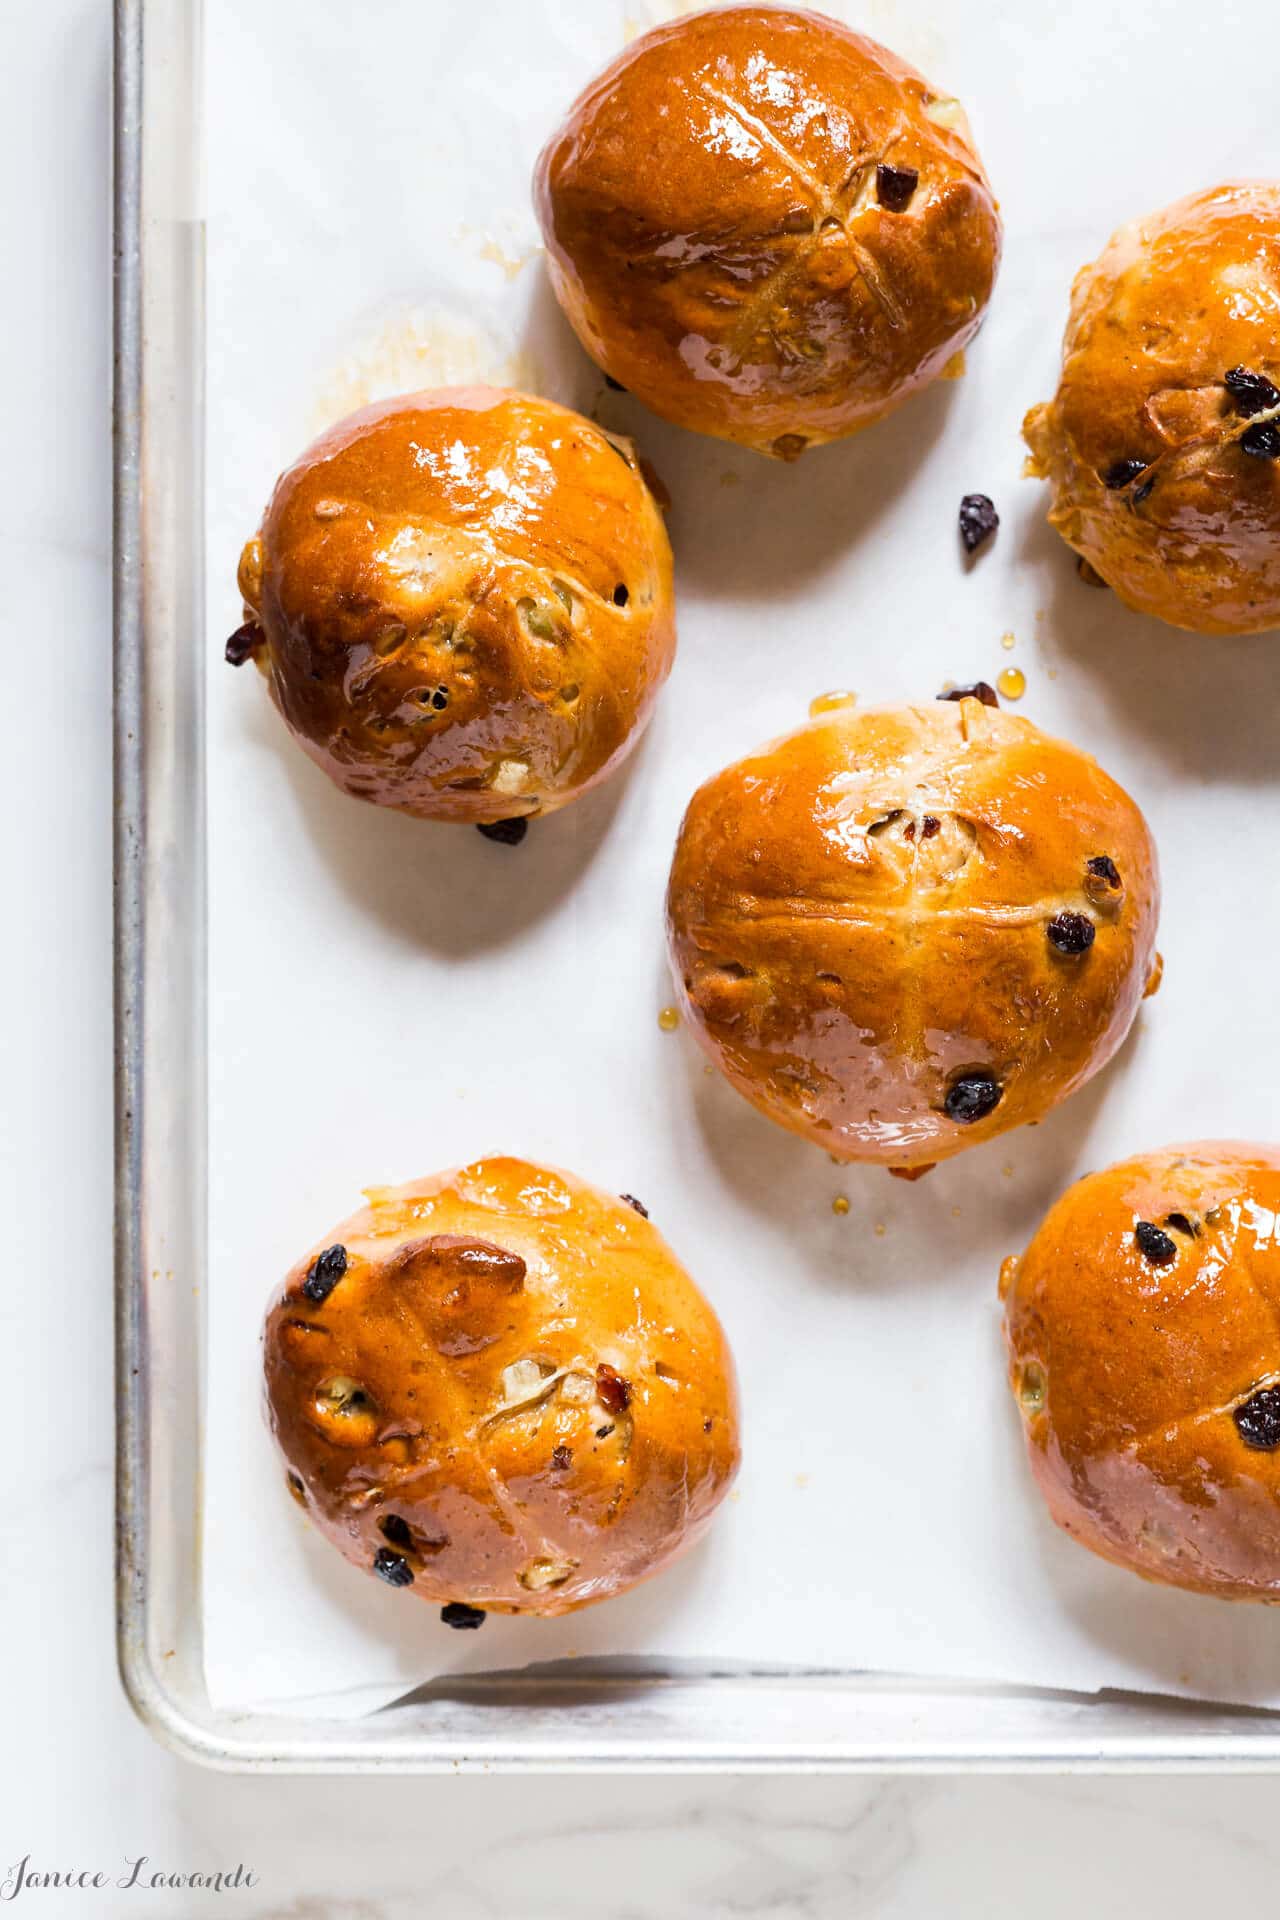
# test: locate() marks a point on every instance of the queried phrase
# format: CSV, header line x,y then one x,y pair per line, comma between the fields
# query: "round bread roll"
x,y
499,1389
903,931
1143,1328
462,603
767,227
1162,444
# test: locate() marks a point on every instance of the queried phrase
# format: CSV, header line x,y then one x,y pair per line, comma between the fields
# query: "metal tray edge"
x,y
164,1686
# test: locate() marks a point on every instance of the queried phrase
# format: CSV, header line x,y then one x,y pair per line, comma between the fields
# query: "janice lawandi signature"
x,y
139,1871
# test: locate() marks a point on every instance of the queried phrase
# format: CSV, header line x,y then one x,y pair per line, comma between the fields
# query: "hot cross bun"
x,y
498,1388
462,603
767,227
899,932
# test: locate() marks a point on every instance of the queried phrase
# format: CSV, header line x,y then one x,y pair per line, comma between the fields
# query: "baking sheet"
x,y
387,997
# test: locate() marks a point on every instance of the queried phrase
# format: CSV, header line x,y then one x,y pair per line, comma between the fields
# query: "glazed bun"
x,y
498,1388
1162,443
462,603
767,227
1143,1328
903,931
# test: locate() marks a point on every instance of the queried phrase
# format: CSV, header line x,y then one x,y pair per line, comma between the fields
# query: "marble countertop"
x,y
84,1788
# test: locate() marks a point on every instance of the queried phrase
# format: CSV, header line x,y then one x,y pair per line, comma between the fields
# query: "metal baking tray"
x,y
594,1718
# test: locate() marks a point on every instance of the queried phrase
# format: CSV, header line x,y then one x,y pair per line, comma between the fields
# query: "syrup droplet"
x,y
829,702
669,1019
1008,641
1012,683
839,1204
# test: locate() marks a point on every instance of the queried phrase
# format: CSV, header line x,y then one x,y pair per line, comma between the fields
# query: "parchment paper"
x,y
388,997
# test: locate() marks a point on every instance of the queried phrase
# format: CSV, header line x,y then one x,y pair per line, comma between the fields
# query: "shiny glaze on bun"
x,y
463,603
867,921
767,227
504,1380
1143,1329
1145,444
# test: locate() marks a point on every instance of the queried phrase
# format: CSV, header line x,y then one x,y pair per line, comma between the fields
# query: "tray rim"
x,y
523,1723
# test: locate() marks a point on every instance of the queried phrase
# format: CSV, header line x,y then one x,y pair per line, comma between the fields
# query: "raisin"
x,y
602,1433
639,1205
459,1614
396,1530
1258,1420
1184,1224
895,186
1102,867
1154,1245
1252,392
561,1457
243,644
977,690
1122,472
393,1568
1142,490
978,520
612,1390
929,826
972,1096
1071,933
507,833
620,595
324,1274
1262,440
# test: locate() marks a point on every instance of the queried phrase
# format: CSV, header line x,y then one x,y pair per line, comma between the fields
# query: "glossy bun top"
x,y
902,931
498,1388
1162,443
767,227
462,602
1143,1327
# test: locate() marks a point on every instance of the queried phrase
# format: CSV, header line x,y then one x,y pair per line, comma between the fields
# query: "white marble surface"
x,y
81,1786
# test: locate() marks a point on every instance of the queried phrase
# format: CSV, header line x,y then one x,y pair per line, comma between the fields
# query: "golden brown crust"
x,y
718,241
1171,305
467,603
513,1388
859,918
1128,1371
